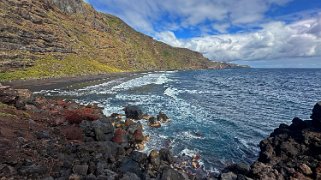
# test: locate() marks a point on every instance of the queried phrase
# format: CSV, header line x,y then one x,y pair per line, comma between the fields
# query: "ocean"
x,y
220,114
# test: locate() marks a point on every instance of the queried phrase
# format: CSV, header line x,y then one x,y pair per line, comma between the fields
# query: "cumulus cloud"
x,y
142,14
274,41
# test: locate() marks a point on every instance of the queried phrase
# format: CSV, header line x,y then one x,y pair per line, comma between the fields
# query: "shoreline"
x,y
79,135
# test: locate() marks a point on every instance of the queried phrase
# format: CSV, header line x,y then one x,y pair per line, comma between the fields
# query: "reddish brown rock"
x,y
73,133
120,136
139,136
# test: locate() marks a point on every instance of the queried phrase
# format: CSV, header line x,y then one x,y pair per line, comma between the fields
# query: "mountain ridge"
x,y
55,38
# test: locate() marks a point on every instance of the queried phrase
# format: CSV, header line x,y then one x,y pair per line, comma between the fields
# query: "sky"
x,y
259,33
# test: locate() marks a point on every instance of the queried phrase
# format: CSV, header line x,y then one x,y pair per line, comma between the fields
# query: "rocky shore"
x,y
57,139
290,152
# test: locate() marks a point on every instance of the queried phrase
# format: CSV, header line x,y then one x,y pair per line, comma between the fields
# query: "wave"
x,y
189,152
171,92
158,79
190,135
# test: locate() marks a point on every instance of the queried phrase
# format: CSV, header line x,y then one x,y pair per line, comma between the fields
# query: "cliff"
x,y
54,38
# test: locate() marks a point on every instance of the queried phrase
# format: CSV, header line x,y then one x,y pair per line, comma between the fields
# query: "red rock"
x,y
73,133
73,116
139,136
78,115
119,136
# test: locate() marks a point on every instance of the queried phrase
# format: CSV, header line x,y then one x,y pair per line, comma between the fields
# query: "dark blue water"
x,y
221,114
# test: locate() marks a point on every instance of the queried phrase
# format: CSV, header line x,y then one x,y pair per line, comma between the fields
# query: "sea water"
x,y
220,114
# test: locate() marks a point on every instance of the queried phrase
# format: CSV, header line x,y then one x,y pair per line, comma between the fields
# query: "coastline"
x,y
75,134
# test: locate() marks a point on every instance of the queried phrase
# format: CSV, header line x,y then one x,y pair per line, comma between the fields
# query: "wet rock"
x,y
129,122
162,117
140,146
133,112
134,127
80,169
152,122
316,114
146,117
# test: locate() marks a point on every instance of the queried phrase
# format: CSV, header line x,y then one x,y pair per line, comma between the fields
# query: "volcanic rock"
x,y
133,112
162,117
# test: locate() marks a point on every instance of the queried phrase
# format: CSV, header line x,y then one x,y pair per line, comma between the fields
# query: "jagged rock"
x,y
139,157
120,136
298,124
152,122
134,127
316,113
162,117
139,136
133,112
146,117
166,155
129,122
129,165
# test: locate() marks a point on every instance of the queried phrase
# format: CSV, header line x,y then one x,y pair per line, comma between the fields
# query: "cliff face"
x,y
68,37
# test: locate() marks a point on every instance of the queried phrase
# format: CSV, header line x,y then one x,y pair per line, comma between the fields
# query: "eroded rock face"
x,y
67,6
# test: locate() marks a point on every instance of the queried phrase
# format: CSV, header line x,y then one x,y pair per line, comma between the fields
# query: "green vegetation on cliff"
x,y
54,38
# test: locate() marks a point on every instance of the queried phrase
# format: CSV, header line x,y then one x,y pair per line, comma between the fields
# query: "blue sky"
x,y
260,33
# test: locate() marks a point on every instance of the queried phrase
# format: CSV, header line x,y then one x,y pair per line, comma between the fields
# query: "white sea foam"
x,y
189,152
171,92
192,135
142,81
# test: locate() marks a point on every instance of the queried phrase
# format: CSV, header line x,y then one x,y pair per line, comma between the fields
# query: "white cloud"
x,y
275,40
142,14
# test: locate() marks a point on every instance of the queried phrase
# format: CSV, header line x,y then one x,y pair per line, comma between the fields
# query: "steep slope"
x,y
51,38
